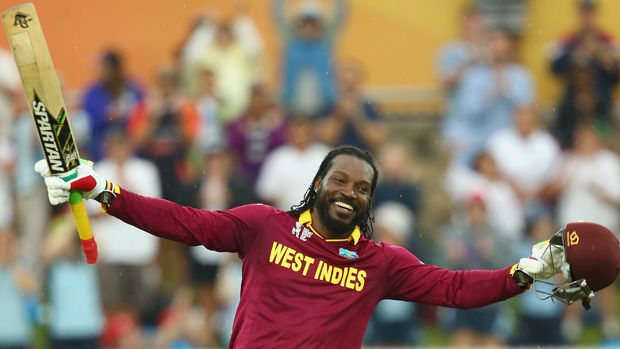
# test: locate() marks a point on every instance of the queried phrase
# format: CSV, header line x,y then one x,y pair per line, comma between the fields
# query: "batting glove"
x,y
82,178
547,260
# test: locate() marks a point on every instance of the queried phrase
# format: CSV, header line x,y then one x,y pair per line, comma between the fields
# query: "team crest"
x,y
301,232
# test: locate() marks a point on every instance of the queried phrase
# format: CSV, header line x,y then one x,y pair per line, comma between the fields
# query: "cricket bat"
x,y
47,106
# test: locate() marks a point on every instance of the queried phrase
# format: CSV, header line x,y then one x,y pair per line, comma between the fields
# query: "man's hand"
x,y
547,260
82,178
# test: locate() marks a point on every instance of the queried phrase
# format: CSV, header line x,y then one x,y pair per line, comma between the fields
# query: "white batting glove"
x,y
82,178
546,261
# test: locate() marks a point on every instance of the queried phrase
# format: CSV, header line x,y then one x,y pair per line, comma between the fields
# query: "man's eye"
x,y
363,190
338,180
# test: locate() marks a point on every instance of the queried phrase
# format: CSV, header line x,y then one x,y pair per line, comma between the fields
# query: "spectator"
x,y
122,330
528,157
127,255
76,313
7,159
501,198
540,322
455,59
228,289
278,183
502,205
256,133
184,325
109,101
166,128
471,242
353,120
589,185
487,97
219,190
9,87
308,41
393,322
233,50
32,213
17,285
211,135
397,181
589,189
587,63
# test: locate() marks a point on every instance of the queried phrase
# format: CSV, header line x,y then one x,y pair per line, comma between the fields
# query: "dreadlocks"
x,y
311,195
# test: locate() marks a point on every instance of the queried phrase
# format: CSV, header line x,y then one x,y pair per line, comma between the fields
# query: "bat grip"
x,y
89,246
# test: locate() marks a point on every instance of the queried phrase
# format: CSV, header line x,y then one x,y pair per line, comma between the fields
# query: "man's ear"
x,y
317,185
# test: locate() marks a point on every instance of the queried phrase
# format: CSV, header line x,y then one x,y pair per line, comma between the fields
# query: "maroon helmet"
x,y
592,254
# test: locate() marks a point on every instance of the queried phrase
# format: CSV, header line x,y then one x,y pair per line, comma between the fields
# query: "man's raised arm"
x,y
224,231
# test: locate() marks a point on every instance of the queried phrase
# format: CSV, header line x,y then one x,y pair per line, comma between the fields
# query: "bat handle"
x,y
89,246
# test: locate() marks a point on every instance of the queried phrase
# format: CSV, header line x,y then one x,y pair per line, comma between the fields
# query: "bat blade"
x,y
34,62
42,88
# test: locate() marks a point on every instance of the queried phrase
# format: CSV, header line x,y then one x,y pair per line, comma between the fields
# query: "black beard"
x,y
337,228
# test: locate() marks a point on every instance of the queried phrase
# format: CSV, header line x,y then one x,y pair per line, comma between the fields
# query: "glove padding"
x,y
82,178
547,260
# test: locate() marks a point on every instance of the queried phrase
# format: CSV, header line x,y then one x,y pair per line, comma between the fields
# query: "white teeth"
x,y
343,205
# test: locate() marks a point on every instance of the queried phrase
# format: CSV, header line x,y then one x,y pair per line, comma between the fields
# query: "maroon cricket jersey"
x,y
301,291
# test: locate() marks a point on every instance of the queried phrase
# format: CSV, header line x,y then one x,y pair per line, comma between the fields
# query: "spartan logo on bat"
x,y
21,19
55,137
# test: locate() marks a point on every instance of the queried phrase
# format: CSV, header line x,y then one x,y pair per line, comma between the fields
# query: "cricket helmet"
x,y
592,252
592,261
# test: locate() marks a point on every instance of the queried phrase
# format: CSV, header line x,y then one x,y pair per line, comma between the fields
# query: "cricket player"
x,y
312,275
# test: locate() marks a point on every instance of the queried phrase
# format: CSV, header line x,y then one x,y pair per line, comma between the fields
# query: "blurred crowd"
x,y
212,133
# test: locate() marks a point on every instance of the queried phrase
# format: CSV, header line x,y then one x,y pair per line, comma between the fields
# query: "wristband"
x,y
108,194
521,277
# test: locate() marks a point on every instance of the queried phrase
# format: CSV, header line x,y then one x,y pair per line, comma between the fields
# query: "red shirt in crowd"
x,y
300,290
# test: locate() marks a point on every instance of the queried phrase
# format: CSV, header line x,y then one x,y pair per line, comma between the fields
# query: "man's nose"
x,y
348,191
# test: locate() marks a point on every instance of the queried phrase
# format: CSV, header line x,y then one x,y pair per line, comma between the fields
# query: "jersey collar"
x,y
306,219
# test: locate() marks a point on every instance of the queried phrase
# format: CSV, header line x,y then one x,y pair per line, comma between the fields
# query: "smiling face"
x,y
343,198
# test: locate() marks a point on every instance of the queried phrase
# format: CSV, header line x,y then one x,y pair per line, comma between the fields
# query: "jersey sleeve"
x,y
233,230
410,279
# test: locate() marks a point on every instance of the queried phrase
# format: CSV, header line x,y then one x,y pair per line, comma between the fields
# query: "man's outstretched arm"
x,y
169,220
412,280
225,231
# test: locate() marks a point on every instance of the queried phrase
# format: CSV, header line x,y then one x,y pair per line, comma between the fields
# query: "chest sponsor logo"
x,y
288,258
347,254
301,232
